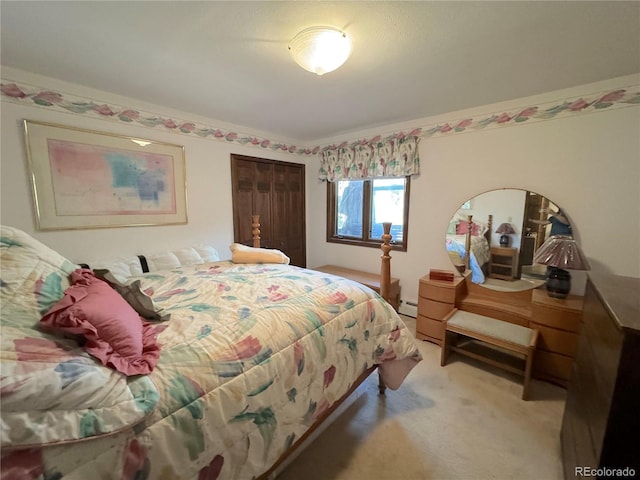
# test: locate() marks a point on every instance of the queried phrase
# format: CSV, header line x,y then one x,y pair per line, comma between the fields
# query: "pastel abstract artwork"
x,y
88,179
93,180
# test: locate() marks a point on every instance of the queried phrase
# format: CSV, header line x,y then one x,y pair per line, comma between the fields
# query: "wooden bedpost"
x,y
385,268
255,224
489,229
467,245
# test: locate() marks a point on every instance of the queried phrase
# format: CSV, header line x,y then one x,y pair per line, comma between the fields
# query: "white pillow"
x,y
135,266
122,268
208,253
188,256
162,261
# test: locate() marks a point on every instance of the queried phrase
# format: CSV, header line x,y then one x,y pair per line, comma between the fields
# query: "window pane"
x,y
388,206
349,208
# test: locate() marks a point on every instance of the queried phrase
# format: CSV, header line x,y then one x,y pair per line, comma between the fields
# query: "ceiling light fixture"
x,y
320,50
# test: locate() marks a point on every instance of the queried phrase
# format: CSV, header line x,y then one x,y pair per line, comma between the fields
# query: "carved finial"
x,y
255,225
385,268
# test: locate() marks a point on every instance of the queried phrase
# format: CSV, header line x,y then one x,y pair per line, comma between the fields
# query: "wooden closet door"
x,y
275,191
288,202
251,190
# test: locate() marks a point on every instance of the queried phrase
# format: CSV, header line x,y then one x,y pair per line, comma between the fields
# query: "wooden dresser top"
x,y
621,296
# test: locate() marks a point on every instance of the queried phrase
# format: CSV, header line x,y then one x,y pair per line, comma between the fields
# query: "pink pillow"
x,y
463,227
114,332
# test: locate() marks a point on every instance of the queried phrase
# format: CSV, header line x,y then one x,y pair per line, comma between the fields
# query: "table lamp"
x,y
505,229
560,253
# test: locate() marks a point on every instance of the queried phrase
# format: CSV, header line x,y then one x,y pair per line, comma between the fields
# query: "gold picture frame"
x,y
88,179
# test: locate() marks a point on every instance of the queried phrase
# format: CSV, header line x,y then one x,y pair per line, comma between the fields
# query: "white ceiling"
x,y
229,61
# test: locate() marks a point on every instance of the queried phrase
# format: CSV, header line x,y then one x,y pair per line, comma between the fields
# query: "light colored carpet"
x,y
465,420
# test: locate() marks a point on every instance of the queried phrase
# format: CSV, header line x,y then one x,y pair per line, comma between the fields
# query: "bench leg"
x,y
527,375
444,352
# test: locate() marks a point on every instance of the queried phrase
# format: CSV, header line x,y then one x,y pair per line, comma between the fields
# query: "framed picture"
x,y
88,179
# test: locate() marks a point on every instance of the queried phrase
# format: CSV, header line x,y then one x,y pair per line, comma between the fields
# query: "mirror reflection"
x,y
507,227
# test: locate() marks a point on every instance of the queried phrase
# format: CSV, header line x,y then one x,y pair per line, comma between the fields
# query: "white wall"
x,y
208,180
588,163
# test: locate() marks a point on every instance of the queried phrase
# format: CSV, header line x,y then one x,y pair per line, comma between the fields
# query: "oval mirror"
x,y
503,229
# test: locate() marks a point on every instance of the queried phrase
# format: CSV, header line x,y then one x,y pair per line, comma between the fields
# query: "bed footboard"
x,y
296,447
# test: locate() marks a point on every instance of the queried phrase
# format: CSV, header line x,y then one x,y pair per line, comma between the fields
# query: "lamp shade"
x,y
505,229
320,49
561,251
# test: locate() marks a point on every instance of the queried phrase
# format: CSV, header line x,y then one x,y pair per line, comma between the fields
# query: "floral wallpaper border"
x,y
41,97
623,97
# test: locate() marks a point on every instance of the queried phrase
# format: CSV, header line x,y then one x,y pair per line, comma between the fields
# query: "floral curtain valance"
x,y
389,158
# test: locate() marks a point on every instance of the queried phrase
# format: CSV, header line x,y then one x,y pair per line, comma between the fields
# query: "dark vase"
x,y
558,282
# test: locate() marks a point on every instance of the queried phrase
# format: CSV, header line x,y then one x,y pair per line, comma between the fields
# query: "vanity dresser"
x,y
437,300
601,420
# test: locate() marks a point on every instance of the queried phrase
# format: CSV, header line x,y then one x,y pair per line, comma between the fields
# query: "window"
x,y
357,209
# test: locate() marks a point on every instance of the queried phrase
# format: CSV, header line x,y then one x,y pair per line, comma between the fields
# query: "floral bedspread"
x,y
480,253
251,356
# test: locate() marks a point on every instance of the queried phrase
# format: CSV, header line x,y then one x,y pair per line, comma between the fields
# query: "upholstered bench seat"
x,y
513,338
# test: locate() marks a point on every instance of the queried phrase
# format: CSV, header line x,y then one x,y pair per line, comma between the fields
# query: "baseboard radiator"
x,y
409,308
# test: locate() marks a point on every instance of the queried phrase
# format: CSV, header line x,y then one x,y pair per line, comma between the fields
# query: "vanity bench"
x,y
515,339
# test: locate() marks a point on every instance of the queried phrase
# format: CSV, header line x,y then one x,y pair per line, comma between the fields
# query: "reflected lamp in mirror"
x,y
560,253
505,229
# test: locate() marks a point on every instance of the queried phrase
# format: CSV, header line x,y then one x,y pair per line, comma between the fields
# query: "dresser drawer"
x,y
556,341
554,364
440,293
605,344
564,314
434,309
578,448
557,318
595,403
430,327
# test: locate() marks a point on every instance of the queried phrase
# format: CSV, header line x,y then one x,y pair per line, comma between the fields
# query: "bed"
x,y
469,245
248,359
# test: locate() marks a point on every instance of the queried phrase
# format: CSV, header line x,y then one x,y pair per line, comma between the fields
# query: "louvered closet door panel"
x,y
243,182
296,231
277,195
281,205
262,203
288,201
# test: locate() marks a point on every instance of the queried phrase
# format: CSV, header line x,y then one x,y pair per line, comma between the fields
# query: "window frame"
x,y
365,241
